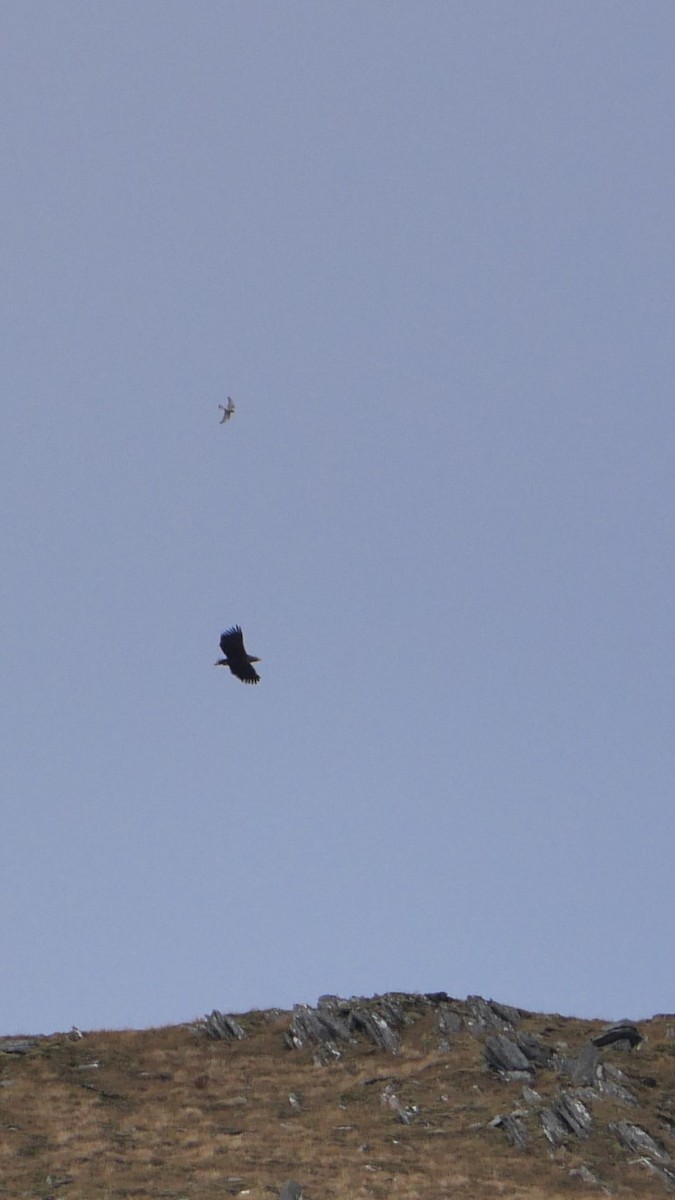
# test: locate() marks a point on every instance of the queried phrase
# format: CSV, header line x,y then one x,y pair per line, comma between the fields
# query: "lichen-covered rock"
x,y
567,1114
638,1141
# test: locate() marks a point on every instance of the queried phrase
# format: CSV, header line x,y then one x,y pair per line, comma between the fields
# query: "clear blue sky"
x,y
428,249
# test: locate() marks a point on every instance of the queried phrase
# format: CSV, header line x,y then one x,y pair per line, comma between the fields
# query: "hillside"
x,y
396,1098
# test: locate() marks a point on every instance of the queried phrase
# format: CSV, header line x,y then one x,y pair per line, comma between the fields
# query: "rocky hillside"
x,y
417,1097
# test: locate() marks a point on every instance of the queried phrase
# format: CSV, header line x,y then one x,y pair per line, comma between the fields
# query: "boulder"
x,y
291,1191
624,1036
514,1129
220,1026
17,1045
485,1014
566,1115
504,1056
638,1141
584,1067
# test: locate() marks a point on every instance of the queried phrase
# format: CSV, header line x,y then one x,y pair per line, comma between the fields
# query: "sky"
x,y
428,250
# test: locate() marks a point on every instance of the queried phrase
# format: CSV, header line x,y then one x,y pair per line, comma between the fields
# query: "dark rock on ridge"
x,y
335,1020
448,1020
510,1052
624,1035
220,1026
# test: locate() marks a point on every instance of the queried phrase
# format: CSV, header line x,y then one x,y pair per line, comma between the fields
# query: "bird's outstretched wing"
x,y
232,641
245,671
232,646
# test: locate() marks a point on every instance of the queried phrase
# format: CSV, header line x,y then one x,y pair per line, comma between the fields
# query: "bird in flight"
x,y
236,658
228,409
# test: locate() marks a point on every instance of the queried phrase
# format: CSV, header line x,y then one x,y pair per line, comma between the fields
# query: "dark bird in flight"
x,y
236,658
228,409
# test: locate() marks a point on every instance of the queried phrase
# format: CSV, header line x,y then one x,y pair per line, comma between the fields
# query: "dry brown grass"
x,y
170,1113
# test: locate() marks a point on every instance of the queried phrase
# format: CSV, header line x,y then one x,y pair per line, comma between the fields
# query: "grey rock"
x,y
220,1026
556,1130
447,1020
584,1067
585,1174
607,1089
375,1027
563,1064
381,1018
326,1053
404,1112
482,1015
574,1113
17,1045
506,1012
638,1141
515,1054
291,1191
393,1008
337,1020
310,1025
662,1173
514,1129
504,1056
564,1116
534,1050
331,1023
615,1073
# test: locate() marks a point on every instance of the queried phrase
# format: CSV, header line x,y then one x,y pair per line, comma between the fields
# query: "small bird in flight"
x,y
236,658
228,409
